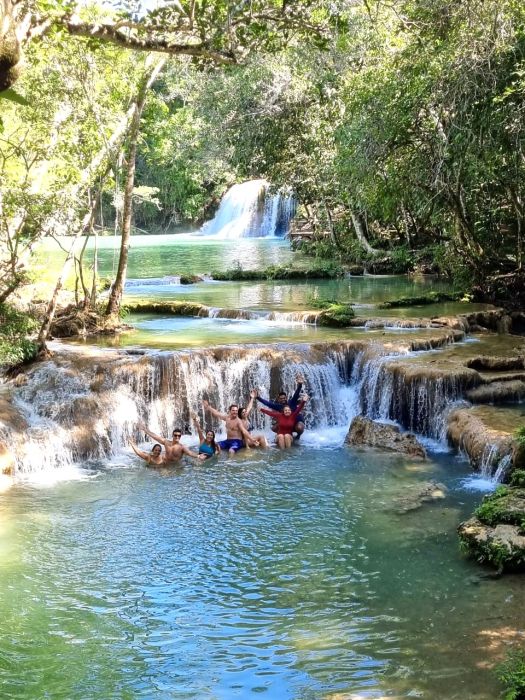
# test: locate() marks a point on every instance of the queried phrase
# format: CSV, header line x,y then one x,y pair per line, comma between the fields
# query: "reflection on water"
x,y
289,574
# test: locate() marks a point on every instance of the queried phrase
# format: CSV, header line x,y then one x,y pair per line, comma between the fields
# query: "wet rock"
x,y
456,322
468,433
366,432
190,279
501,364
7,461
414,497
501,545
498,392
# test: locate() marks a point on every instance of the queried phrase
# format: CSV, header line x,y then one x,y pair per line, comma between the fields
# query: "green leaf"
x,y
13,96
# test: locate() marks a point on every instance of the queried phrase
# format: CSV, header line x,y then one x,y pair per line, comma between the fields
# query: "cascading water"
x,y
248,210
79,409
82,407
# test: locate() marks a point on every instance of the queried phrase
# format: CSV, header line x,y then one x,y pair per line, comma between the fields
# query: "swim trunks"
x,y
234,445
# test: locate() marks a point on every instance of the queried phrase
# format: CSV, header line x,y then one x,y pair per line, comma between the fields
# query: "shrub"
x,y
517,478
511,673
16,345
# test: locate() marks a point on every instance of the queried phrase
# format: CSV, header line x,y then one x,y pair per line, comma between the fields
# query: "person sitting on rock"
x,y
207,447
155,458
286,420
175,450
282,400
236,433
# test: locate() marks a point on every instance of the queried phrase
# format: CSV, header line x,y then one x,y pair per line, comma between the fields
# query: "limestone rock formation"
x,y
366,432
467,432
496,533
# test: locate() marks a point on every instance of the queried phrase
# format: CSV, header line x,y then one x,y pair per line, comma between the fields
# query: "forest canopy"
x,y
398,125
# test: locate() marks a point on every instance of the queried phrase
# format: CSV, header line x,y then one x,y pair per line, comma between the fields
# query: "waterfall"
x,y
493,465
86,403
80,408
248,210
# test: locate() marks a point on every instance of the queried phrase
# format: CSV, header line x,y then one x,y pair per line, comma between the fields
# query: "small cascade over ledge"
x,y
249,210
86,403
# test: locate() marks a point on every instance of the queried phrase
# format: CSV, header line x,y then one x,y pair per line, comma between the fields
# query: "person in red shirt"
x,y
285,422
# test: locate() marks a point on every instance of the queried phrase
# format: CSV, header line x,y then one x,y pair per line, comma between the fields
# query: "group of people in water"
x,y
287,424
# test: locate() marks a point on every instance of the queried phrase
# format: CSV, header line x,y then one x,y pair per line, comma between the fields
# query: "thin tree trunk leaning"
x,y
359,228
117,290
51,309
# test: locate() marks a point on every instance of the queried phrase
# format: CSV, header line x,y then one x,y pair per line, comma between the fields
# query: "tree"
x,y
219,31
151,72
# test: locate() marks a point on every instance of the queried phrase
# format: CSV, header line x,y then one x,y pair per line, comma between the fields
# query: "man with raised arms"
x,y
236,433
174,448
282,401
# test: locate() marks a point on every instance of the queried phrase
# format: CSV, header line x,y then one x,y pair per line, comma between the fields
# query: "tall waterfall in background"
x,y
248,210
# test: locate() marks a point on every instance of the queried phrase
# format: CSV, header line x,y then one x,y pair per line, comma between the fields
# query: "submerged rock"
x,y
414,497
366,432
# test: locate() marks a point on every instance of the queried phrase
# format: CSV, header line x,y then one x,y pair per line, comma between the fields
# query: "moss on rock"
x,y
496,533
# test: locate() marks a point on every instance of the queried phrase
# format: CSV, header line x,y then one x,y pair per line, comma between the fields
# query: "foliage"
x,y
16,346
519,436
495,509
511,672
323,270
339,315
428,298
517,478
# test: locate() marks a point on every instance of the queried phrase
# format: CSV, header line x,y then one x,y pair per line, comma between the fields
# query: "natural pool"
x,y
281,575
284,575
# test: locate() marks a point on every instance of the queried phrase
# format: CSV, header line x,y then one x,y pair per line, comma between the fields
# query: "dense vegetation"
x,y
399,126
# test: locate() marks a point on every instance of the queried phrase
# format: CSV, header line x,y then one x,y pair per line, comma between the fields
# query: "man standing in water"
x,y
282,401
174,448
236,433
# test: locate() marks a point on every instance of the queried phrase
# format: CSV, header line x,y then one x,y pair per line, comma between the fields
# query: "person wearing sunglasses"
x,y
175,450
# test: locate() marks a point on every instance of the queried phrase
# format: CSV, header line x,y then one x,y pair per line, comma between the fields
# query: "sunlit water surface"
x,y
282,575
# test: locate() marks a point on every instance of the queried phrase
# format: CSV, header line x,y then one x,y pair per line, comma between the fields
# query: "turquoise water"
x,y
155,260
171,332
283,575
275,575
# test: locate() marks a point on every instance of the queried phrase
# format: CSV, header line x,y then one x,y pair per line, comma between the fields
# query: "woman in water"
x,y
154,458
207,447
285,421
244,414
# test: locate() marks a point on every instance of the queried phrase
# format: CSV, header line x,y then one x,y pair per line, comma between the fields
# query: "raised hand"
x,y
299,379
254,393
205,404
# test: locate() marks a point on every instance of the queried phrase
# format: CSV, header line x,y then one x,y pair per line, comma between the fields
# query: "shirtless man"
x,y
174,448
237,436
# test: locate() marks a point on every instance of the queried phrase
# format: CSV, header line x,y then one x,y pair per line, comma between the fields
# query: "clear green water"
x,y
157,331
155,259
278,575
275,575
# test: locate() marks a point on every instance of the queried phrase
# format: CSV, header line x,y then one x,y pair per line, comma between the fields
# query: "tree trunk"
x,y
360,226
51,309
117,290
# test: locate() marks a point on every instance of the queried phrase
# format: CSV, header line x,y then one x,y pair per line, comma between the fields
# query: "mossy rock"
x,y
336,315
174,308
430,298
281,272
190,279
496,533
